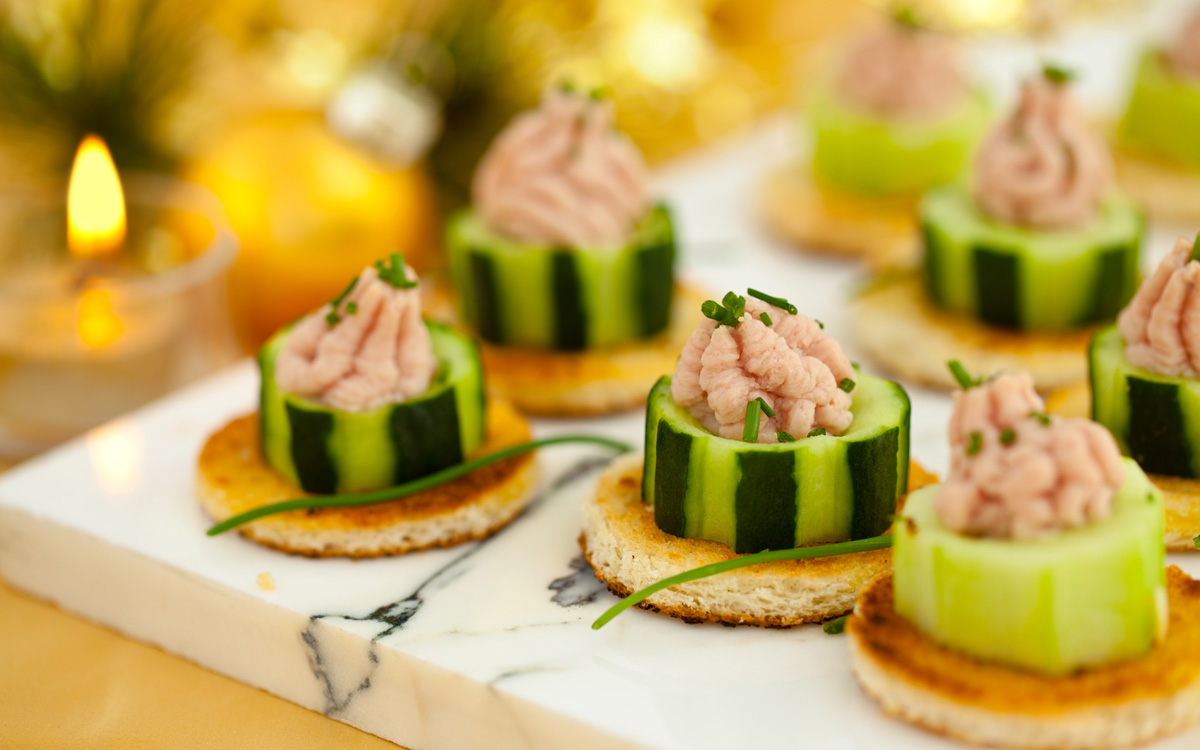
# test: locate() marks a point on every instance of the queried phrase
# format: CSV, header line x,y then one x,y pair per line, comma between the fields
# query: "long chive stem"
x,y
766,408
750,432
1195,249
409,488
712,569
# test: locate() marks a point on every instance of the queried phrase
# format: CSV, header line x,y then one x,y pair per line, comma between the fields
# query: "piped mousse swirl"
x,y
562,175
791,363
368,348
898,70
1183,53
1161,324
1043,167
1017,473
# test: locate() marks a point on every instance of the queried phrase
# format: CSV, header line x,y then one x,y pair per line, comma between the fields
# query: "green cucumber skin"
x,y
998,288
670,487
564,298
765,502
325,450
779,495
570,325
1087,597
1154,418
311,430
1021,279
1163,115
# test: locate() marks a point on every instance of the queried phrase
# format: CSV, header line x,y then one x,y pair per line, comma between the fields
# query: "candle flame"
x,y
95,203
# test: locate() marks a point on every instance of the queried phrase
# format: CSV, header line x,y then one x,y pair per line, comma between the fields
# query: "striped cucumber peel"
x,y
518,294
326,450
756,496
1018,278
1155,418
861,154
1086,597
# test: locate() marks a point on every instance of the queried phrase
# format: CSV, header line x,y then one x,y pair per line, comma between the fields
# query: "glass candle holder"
x,y
84,340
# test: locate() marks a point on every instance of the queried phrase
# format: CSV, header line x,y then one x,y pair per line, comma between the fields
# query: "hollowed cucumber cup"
x,y
1025,279
1086,597
327,450
1163,115
564,298
757,496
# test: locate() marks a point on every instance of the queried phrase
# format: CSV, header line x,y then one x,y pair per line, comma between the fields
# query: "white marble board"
x,y
486,645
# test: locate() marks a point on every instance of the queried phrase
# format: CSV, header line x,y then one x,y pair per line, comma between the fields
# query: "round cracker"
x,y
629,552
898,327
233,477
1181,495
591,382
883,231
943,691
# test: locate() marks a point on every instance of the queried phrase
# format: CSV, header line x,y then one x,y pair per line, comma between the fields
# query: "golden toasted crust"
x,y
628,551
949,693
234,477
883,231
1167,193
896,324
1181,496
593,381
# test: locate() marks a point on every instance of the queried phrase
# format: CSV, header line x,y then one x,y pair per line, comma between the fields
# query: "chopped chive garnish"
x,y
1007,436
750,432
974,443
735,304
961,376
846,384
784,437
394,272
352,308
766,408
819,324
836,625
1057,74
779,302
1043,418
766,319
332,318
816,432
712,569
1195,249
724,316
600,92
409,488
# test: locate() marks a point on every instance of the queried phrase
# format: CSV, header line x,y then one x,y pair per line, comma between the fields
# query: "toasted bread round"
x,y
901,330
629,552
1181,496
591,382
1168,193
882,231
946,692
233,478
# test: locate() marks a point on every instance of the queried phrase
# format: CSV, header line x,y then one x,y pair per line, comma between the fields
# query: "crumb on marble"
x,y
265,581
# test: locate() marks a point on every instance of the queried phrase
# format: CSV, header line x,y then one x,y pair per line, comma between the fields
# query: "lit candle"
x,y
95,329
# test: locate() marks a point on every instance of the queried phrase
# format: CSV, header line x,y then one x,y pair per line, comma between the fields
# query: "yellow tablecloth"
x,y
66,683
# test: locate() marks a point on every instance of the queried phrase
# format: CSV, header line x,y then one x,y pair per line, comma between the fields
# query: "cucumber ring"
x,y
1086,597
1024,279
524,295
756,496
327,450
